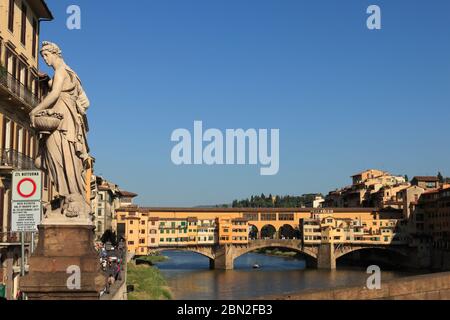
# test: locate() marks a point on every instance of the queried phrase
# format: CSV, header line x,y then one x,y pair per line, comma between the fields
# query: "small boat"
x,y
256,266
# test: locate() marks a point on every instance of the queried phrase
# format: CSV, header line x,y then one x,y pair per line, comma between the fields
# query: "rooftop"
x,y
240,210
41,9
426,178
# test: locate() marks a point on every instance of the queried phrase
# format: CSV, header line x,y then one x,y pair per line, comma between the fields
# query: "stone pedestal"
x,y
65,265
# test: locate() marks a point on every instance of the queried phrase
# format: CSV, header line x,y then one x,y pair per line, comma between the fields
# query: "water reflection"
x,y
189,277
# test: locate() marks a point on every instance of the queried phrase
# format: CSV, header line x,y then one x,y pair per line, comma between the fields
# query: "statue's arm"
x,y
52,97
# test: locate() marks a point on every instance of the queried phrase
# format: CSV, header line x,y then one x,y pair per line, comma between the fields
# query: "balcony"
x,y
13,160
18,90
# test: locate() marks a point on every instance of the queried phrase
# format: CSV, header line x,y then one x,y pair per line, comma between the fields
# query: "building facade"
x,y
183,227
21,88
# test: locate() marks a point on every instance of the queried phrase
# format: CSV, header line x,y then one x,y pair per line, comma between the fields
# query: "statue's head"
x,y
50,52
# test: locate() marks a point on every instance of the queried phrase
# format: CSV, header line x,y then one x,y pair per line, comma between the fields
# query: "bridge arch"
x,y
378,254
206,252
310,253
349,250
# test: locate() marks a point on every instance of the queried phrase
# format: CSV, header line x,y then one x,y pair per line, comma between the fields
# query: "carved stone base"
x,y
71,210
63,250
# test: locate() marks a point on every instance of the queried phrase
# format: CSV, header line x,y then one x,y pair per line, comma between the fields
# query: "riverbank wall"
x,y
435,286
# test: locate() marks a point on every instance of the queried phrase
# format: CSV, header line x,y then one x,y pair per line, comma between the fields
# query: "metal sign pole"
x,y
22,259
32,242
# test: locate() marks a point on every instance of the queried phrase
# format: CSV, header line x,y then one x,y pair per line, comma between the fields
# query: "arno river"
x,y
189,277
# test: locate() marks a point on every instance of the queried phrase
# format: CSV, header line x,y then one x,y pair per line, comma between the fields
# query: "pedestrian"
x,y
118,276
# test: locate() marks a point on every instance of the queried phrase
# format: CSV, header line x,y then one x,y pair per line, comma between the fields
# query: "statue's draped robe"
x,y
64,145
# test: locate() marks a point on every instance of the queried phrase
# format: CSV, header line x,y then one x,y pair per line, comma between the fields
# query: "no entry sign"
x,y
26,200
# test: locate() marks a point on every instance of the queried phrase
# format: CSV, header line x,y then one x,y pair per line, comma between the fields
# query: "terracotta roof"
x,y
368,170
426,178
124,193
431,191
41,9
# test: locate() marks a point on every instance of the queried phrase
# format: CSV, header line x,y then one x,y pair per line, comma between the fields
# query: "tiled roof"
x,y
426,178
124,193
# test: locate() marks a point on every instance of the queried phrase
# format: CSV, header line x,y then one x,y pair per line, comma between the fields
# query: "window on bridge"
x,y
268,216
286,217
251,216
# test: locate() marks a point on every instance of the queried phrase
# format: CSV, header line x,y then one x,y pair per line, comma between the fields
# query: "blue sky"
x,y
344,98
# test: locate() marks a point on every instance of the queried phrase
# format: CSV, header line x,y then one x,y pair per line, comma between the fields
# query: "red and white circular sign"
x,y
26,188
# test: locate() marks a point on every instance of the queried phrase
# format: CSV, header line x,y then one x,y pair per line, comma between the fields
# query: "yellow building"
x,y
331,229
181,227
239,231
224,226
192,230
20,92
153,232
173,232
207,232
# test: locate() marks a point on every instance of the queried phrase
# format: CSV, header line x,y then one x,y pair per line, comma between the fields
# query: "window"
x,y
131,231
152,240
143,222
131,221
251,216
23,35
6,144
11,16
286,216
268,216
142,231
99,212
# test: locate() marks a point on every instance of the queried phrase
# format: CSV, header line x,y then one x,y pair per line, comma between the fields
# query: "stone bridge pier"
x,y
326,258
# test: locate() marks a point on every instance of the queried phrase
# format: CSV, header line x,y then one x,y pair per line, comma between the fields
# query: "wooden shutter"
x,y
23,36
11,16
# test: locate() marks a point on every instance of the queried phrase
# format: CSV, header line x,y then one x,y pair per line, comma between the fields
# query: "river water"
x,y
189,277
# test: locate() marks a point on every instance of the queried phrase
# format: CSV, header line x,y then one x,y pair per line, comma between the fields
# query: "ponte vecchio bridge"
x,y
240,231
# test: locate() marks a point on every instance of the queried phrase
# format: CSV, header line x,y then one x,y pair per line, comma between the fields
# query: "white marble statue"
x,y
63,152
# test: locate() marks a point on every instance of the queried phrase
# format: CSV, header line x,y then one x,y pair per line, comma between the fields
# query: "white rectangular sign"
x,y
26,185
26,215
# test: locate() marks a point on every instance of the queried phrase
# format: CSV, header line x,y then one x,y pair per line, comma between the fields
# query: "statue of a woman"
x,y
63,152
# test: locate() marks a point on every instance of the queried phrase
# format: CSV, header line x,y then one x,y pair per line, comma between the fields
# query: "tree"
x,y
406,178
109,236
440,177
